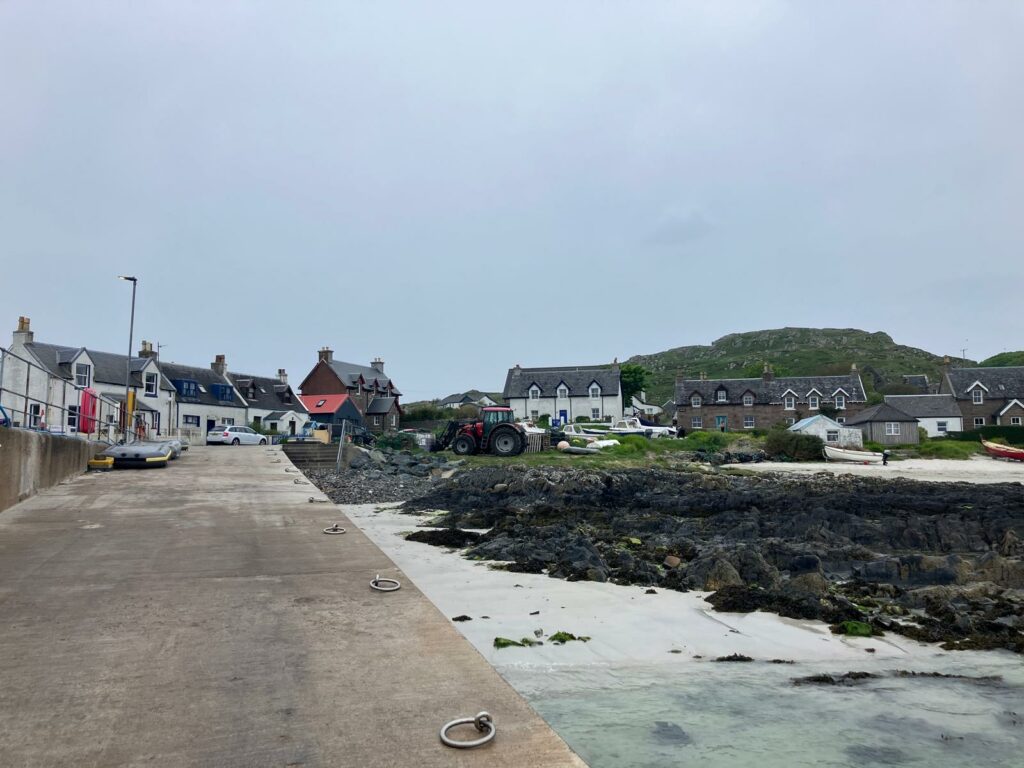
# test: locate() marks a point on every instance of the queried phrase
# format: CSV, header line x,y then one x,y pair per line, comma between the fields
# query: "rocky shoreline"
x,y
932,561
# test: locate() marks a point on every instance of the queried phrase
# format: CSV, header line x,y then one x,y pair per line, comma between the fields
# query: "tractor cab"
x,y
494,415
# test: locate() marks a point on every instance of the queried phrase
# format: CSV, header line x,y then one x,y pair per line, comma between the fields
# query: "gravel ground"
x,y
383,476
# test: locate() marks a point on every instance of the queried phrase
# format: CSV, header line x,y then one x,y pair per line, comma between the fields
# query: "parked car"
x,y
229,435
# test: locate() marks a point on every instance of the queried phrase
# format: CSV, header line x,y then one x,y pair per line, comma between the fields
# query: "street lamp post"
x,y
128,362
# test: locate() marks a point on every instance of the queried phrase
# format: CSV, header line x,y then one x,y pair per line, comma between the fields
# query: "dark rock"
x,y
463,617
849,678
733,657
445,537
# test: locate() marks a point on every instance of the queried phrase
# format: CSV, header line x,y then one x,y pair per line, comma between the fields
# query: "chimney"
x,y
377,365
282,375
24,333
326,354
853,368
703,375
680,377
767,374
146,350
220,365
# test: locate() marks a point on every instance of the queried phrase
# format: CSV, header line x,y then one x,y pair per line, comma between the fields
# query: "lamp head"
x,y
128,278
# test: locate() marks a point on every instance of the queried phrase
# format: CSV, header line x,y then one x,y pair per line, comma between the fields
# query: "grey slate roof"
x,y
464,398
207,377
926,406
380,405
349,373
880,412
577,379
766,392
916,380
107,367
275,415
1005,383
268,392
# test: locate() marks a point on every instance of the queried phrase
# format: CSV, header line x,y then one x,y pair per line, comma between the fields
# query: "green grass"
x,y
948,449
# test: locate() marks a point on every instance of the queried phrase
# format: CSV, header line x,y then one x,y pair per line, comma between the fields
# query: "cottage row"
x,y
46,392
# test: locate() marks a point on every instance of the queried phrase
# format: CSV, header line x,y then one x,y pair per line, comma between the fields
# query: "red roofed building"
x,y
331,409
369,391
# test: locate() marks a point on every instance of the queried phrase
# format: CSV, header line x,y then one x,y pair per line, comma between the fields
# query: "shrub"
x,y
781,443
947,449
397,441
630,445
704,441
1012,435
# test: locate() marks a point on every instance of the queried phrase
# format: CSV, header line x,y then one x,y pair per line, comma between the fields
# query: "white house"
x,y
472,397
592,392
60,374
643,408
831,432
270,402
938,414
205,396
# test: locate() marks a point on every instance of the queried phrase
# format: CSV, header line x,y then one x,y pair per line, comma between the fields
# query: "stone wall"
x,y
32,461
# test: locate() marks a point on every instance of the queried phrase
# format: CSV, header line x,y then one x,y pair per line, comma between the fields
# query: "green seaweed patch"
x,y
561,638
525,642
853,629
632,541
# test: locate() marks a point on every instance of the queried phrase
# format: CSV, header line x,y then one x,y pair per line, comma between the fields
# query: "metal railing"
x,y
33,398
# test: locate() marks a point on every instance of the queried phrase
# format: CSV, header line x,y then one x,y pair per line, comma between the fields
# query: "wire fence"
x,y
31,397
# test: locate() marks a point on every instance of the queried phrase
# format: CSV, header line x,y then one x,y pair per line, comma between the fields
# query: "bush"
x,y
630,445
703,441
947,449
781,443
1012,435
397,441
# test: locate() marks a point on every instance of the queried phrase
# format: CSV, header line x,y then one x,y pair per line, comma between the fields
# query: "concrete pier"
x,y
198,616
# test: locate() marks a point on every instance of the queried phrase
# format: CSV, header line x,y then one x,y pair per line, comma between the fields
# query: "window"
x,y
595,391
813,402
320,403
1015,421
83,373
187,388
563,392
840,419
791,421
832,436
695,401
73,417
840,402
534,393
790,403
697,423
376,421
721,396
941,426
222,392
34,411
272,426
394,420
191,421
748,422
979,421
534,415
748,400
978,396
595,413
150,385
892,428
229,422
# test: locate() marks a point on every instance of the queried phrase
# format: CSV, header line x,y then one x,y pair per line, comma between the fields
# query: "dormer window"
x,y
748,399
695,401
595,391
790,403
721,396
534,393
978,396
840,402
563,392
83,374
813,402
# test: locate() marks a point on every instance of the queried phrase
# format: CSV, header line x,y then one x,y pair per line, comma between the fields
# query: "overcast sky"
x,y
459,187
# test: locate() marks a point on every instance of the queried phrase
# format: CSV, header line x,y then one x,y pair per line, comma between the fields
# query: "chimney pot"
x,y
220,365
24,332
377,365
282,375
326,354
24,324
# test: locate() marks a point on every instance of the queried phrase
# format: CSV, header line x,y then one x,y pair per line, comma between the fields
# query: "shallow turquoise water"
x,y
714,714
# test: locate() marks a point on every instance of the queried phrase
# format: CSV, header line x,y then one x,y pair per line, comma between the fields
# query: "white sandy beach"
x,y
979,469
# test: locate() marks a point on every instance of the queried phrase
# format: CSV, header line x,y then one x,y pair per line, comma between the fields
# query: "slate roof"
x,y
926,406
349,373
768,392
268,393
207,377
577,379
107,367
380,405
275,415
880,412
916,380
1002,383
464,398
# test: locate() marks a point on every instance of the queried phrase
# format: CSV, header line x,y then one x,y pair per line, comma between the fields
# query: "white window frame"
x,y
977,396
790,420
35,415
394,420
595,391
748,422
813,402
154,380
534,393
840,403
748,400
697,422
595,413
695,401
376,421
979,421
190,421
942,426
83,374
229,422
831,435
534,415
72,417
563,392
721,396
790,403
893,429
1015,421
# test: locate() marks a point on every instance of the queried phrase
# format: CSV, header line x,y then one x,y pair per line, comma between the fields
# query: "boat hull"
x,y
856,457
997,451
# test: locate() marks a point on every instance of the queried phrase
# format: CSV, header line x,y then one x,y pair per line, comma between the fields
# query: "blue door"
x,y
563,416
721,423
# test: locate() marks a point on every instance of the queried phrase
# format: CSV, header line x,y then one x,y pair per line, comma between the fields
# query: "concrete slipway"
x,y
197,615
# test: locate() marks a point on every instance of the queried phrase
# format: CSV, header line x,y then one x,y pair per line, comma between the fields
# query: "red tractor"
x,y
494,432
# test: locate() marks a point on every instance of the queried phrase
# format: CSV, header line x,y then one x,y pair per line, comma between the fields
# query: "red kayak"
x,y
997,451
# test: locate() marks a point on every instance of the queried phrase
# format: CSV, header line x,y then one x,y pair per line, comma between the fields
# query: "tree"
x,y
633,380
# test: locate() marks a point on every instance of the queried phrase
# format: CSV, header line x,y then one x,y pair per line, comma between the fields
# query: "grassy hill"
x,y
1004,359
792,352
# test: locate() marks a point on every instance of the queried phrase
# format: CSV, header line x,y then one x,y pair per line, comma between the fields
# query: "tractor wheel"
x,y
464,445
506,442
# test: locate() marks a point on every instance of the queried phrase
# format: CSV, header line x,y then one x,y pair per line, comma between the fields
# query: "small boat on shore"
x,y
846,454
997,451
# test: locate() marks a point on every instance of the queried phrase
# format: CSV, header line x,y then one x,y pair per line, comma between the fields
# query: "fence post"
x,y
341,445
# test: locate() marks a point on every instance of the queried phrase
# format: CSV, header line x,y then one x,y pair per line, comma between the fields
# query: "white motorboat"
x,y
846,454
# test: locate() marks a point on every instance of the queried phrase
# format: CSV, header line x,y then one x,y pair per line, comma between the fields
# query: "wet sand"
x,y
980,469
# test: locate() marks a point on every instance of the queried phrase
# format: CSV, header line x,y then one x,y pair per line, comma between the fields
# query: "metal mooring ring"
x,y
335,529
483,722
378,582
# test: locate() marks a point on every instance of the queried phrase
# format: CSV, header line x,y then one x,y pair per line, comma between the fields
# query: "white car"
x,y
228,435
